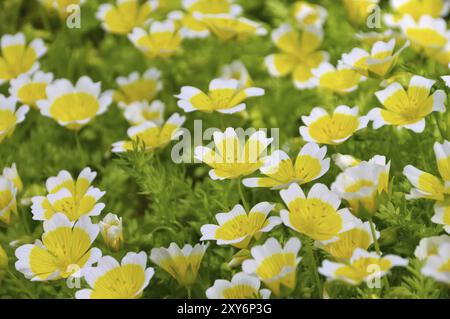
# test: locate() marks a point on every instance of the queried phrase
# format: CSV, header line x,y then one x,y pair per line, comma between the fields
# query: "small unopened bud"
x,y
3,259
111,230
10,173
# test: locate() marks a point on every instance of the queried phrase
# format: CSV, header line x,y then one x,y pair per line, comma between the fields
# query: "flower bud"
x,y
111,230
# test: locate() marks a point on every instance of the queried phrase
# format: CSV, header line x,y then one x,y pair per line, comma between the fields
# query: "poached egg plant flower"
x,y
71,198
364,266
241,286
150,135
299,54
65,250
139,112
237,70
111,280
231,158
280,171
10,116
111,231
74,106
11,174
429,246
181,263
438,265
8,203
307,14
224,96
125,15
409,108
274,265
28,89
342,79
416,9
19,58
237,228
323,128
317,215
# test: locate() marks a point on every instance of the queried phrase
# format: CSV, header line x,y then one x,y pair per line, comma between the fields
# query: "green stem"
x,y
80,148
25,223
313,265
374,236
21,284
241,194
189,293
438,124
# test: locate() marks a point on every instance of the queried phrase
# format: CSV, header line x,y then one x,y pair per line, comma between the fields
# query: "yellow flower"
x,y
74,106
191,26
358,237
416,9
358,10
360,185
438,266
230,158
125,15
3,259
8,202
160,41
442,215
138,88
318,215
226,26
344,161
65,250
139,112
17,57
111,280
342,79
299,54
182,264
224,96
274,265
71,198
9,116
427,34
237,228
150,135
111,230
237,70
241,286
430,246
322,128
364,266
307,14
62,7
380,61
370,38
28,89
407,109
280,171
12,175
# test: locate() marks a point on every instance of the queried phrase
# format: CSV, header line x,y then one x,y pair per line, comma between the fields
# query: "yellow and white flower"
x,y
275,265
62,7
17,57
438,266
407,109
379,61
230,158
8,203
74,106
9,116
370,38
357,11
181,263
317,215
342,79
224,96
427,185
342,249
226,26
237,70
364,266
65,250
237,228
280,171
430,246
111,280
28,89
442,215
139,112
416,9
360,185
299,54
111,230
446,78
191,26
72,198
344,161
307,14
162,39
241,286
138,88
150,135
11,174
323,128
125,15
